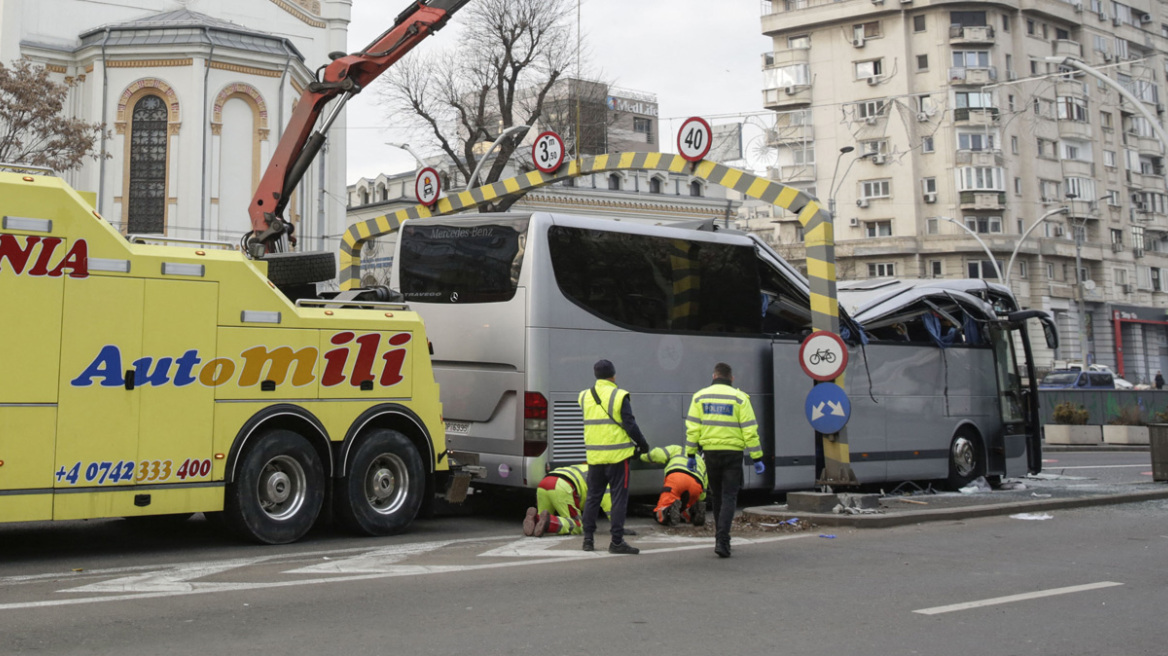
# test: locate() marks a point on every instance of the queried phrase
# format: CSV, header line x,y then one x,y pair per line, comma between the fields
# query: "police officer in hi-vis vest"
x,y
721,424
611,439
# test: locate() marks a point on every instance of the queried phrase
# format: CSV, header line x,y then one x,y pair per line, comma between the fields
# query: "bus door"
x,y
795,440
1005,454
1028,394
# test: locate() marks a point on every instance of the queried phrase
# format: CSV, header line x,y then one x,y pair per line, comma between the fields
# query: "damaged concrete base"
x,y
826,502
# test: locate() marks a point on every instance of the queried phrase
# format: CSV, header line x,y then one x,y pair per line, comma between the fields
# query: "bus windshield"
x,y
462,262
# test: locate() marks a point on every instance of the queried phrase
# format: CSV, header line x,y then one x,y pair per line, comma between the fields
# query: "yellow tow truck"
x,y
145,376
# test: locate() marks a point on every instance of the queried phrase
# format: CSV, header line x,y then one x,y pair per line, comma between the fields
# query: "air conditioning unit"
x,y
879,158
1137,252
855,222
1103,16
859,43
1106,56
792,90
1159,108
1078,7
930,197
1116,21
873,81
922,117
863,202
1011,75
877,2
1116,247
906,2
1058,231
1127,288
1146,18
870,120
1139,205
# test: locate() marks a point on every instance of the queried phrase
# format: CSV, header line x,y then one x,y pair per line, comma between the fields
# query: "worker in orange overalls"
x,y
559,499
683,495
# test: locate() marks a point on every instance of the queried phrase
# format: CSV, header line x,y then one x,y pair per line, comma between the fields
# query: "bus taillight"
x,y
535,412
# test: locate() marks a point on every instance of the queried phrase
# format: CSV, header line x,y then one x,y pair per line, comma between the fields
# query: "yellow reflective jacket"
x,y
577,475
674,459
721,419
605,440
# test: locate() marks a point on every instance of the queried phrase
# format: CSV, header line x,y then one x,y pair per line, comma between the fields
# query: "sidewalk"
x,y
1035,495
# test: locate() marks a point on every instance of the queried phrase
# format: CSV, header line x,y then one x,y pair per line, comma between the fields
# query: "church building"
x,y
194,95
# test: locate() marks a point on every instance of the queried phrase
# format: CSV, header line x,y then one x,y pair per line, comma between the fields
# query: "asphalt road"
x,y
1086,581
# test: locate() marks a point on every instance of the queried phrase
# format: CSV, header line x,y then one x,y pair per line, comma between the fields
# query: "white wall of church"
x,y
212,170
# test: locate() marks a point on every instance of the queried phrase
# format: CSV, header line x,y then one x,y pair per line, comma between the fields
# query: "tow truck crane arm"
x,y
342,79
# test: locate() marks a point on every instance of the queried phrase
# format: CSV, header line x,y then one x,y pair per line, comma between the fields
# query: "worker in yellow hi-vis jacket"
x,y
721,425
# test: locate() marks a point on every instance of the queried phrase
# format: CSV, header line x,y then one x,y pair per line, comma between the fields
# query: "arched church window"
x,y
147,208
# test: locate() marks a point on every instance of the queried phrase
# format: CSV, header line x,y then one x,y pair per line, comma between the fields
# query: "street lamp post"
x,y
1079,230
406,147
831,187
506,133
1041,219
984,247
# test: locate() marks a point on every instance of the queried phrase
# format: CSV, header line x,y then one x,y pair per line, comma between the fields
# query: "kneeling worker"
x,y
683,495
558,501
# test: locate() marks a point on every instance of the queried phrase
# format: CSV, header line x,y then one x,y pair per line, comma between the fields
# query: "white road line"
x,y
1099,466
182,586
1018,597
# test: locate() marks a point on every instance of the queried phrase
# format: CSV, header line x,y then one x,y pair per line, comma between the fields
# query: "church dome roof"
x,y
186,27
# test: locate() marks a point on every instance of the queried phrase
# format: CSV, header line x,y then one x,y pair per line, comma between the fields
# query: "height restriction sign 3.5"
x,y
693,139
548,152
823,355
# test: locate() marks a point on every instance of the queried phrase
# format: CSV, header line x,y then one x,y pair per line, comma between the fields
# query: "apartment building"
x,y
934,116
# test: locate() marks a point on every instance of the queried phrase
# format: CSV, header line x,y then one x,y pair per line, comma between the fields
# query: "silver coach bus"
x,y
519,306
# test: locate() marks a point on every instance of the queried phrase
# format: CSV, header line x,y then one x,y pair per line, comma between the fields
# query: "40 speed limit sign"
x,y
548,152
693,139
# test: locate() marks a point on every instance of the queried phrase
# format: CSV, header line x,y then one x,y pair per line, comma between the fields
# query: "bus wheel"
x,y
279,489
964,460
383,490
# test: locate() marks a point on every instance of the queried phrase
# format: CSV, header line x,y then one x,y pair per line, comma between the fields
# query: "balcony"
x,y
982,200
980,157
962,34
788,135
1073,168
786,57
1066,48
1133,179
792,173
975,115
1080,130
973,76
1146,145
787,97
1151,180
1070,88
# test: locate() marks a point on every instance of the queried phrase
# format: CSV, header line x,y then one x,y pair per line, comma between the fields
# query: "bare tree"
x,y
33,129
510,56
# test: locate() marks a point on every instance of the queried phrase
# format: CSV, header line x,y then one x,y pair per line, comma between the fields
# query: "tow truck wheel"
x,y
278,491
382,492
964,459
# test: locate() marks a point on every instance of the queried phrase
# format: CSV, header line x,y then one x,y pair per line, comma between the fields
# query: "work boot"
x,y
673,514
529,522
623,548
699,513
722,549
588,543
541,523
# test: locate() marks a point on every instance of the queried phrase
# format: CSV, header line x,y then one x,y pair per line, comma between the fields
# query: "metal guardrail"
x,y
26,168
1104,405
147,239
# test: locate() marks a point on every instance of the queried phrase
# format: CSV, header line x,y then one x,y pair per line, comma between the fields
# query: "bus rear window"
x,y
461,263
656,283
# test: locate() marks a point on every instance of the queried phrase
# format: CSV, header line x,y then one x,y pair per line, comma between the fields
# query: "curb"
x,y
886,520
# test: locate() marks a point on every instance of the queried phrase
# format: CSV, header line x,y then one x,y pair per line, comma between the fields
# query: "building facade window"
x,y
695,189
614,182
875,189
927,144
922,62
929,185
148,142
983,269
980,178
919,23
936,268
882,270
984,224
878,228
870,68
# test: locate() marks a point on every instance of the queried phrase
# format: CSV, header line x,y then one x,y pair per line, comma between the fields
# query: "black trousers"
x,y
724,469
615,479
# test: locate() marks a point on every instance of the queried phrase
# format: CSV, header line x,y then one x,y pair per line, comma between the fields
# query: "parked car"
x,y
1079,379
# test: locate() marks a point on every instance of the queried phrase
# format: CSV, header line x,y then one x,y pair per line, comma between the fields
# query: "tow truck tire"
x,y
384,487
965,459
278,491
288,269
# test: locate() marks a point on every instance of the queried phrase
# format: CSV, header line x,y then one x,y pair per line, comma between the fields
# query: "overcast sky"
x,y
701,57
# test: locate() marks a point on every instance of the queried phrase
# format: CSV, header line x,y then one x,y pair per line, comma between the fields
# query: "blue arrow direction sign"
x,y
828,408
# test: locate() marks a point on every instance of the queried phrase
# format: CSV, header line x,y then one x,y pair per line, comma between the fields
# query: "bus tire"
x,y
965,459
279,490
384,487
285,269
